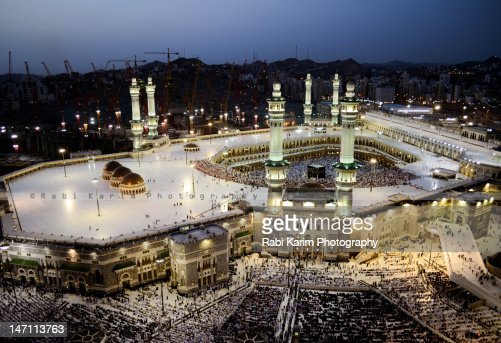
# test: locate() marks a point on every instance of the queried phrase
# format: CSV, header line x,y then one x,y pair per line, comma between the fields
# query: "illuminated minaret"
x,y
307,100
136,123
276,166
346,168
335,101
152,116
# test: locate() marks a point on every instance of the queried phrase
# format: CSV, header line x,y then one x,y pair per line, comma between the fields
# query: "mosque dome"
x,y
120,171
109,168
132,179
350,86
111,165
493,264
132,183
118,174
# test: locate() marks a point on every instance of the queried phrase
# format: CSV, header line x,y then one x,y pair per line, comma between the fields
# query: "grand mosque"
x,y
180,209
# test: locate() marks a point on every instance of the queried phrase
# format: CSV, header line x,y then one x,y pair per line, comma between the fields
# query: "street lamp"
x,y
62,151
118,115
95,181
210,133
15,146
160,261
185,152
373,162
98,113
193,179
191,126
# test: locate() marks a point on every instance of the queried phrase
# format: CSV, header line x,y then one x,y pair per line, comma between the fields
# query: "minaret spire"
x,y
307,100
346,168
276,166
335,100
152,116
136,123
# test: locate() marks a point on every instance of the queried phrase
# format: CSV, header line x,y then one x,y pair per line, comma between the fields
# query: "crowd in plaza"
x,y
258,312
228,174
258,299
367,175
456,323
25,303
117,325
355,317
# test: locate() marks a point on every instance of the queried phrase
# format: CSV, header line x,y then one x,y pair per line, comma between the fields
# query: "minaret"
x,y
136,123
276,166
152,116
307,100
346,168
335,101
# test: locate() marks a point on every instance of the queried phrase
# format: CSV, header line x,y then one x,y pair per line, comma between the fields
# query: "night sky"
x,y
219,31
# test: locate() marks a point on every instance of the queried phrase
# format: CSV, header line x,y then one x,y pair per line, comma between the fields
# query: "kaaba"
x,y
316,171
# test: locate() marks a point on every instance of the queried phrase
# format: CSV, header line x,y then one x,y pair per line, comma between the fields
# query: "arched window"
x,y
98,277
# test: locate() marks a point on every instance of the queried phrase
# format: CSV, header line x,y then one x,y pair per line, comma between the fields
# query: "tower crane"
x,y
227,97
195,83
10,86
10,66
168,53
168,76
33,90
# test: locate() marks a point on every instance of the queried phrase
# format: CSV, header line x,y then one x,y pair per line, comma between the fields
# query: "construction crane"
x,y
46,69
168,53
10,95
227,97
168,76
93,66
69,69
195,84
10,66
33,89
126,61
67,65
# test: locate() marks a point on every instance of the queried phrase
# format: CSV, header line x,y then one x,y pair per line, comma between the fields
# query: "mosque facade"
x,y
197,256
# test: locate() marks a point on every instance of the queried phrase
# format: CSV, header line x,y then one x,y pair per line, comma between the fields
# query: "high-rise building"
x,y
385,94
